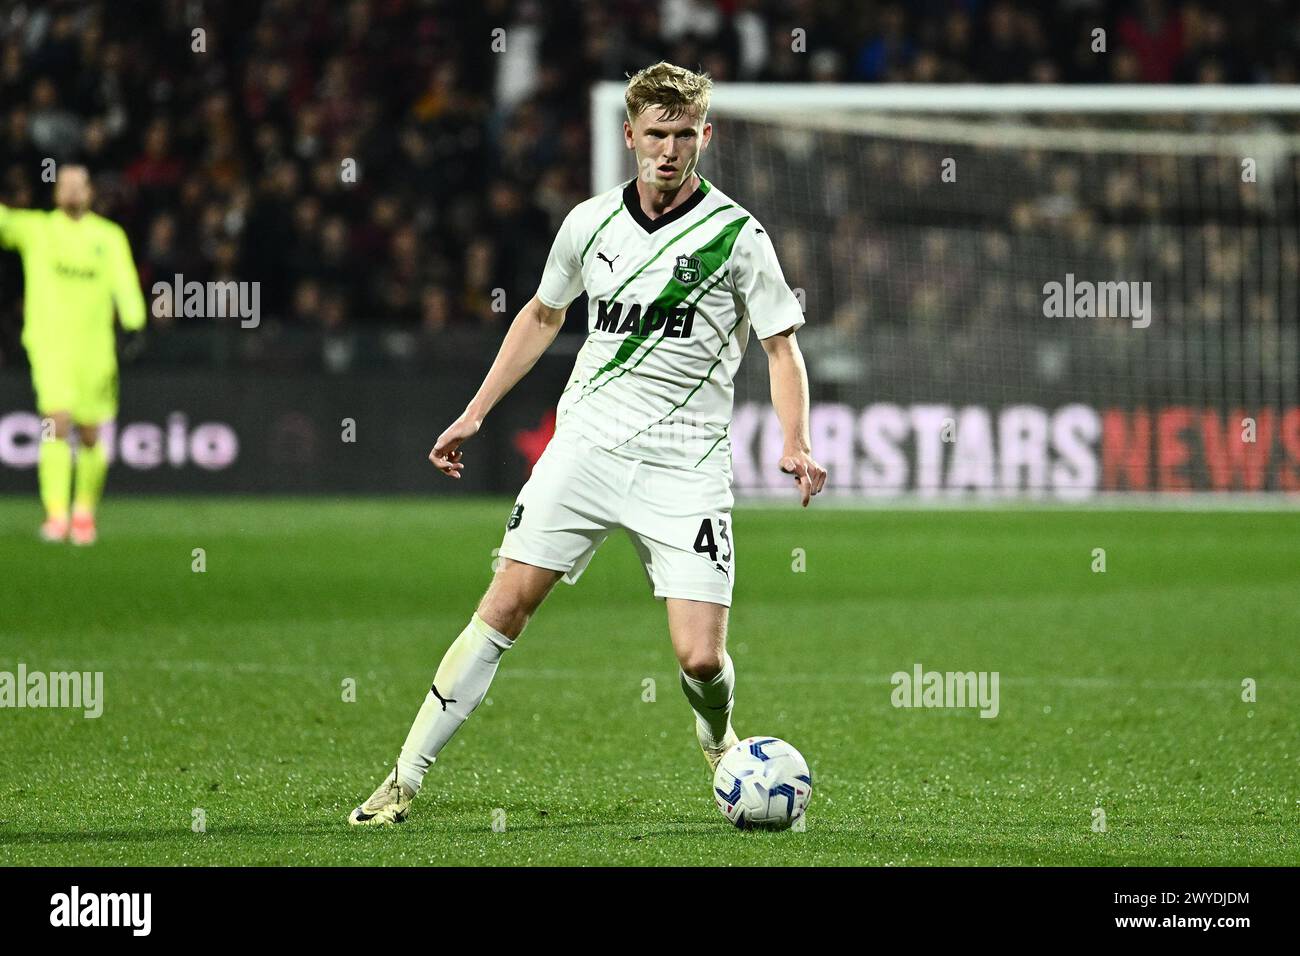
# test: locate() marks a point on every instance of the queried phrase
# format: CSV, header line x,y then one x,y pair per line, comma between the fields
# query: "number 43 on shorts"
x,y
706,542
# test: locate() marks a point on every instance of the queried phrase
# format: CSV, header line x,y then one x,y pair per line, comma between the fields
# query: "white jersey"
x,y
671,302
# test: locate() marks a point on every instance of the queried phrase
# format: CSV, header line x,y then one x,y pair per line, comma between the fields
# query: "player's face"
x,y
72,191
667,150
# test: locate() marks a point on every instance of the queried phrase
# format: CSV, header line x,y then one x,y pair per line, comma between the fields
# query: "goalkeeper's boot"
x,y
54,529
389,804
83,528
714,755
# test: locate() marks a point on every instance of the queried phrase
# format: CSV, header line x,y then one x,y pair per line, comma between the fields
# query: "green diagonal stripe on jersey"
x,y
627,368
675,292
698,385
711,255
587,248
713,446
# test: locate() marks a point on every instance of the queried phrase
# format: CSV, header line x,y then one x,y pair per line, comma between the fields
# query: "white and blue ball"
x,y
762,783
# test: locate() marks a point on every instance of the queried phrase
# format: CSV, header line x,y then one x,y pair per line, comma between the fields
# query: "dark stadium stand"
x,y
233,170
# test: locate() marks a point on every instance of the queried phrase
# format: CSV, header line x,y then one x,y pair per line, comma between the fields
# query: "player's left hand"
x,y
808,475
132,345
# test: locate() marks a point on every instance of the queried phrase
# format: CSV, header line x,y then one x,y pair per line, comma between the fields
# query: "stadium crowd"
x,y
222,153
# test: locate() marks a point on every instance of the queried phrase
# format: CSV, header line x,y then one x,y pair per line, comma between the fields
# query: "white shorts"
x,y
679,519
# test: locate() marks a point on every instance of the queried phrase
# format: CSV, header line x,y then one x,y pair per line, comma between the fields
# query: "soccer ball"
x,y
762,783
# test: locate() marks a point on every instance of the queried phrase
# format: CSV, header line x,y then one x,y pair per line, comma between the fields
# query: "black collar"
x,y
633,203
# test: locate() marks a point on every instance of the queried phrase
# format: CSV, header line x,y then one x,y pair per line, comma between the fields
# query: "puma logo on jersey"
x,y
608,262
675,323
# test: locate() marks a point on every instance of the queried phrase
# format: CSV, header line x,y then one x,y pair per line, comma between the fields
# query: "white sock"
x,y
459,686
712,702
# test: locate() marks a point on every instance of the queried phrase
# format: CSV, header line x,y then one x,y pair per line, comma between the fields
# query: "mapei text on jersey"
x,y
676,323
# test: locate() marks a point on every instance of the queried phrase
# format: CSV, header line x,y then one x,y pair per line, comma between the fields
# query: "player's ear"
x,y
627,135
705,135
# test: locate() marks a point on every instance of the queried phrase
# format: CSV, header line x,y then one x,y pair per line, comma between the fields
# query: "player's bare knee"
x,y
59,422
499,610
88,434
703,664
503,616
517,590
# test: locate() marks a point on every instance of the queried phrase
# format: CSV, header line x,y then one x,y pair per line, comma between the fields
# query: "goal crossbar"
x,y
608,155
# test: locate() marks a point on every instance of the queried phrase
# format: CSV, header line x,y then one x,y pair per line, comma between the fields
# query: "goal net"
x,y
1046,292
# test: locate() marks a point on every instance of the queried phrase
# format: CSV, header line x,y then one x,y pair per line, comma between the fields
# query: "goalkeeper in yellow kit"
x,y
76,267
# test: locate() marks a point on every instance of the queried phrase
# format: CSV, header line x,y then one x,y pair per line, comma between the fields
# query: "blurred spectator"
x,y
1156,37
55,131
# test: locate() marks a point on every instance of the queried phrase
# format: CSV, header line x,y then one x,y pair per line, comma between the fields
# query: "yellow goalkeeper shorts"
x,y
87,392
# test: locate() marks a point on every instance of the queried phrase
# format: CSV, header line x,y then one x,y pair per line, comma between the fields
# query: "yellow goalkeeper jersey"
x,y
75,271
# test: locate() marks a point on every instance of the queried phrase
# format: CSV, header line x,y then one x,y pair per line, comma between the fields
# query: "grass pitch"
x,y
224,689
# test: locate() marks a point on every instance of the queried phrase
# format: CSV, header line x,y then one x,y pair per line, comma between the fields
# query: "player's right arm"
x,y
529,335
17,227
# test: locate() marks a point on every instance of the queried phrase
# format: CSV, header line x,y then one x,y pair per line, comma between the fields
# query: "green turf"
x,y
1119,690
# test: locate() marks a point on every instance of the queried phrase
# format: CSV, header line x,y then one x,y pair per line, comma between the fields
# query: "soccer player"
x,y
676,274
76,267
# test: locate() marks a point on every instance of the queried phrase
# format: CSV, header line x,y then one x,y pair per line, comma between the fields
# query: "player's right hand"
x,y
446,450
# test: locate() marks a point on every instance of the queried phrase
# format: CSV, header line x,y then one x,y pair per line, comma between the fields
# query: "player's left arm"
x,y
125,283
774,315
789,375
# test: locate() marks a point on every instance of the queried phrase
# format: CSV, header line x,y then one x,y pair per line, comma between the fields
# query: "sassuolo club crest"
x,y
687,271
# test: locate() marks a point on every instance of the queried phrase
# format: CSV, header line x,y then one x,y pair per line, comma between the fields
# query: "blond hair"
x,y
674,89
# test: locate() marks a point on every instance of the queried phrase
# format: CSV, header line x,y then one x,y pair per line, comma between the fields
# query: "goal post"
x,y
1042,292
